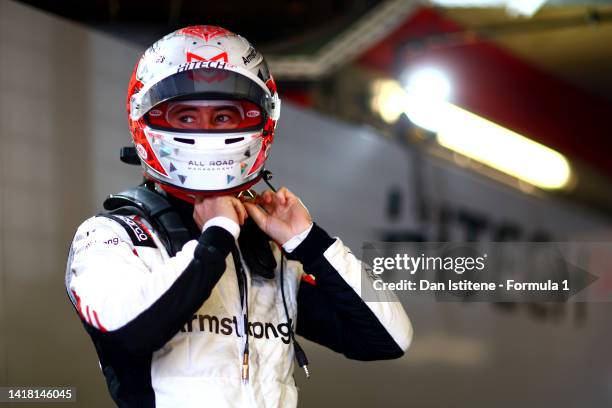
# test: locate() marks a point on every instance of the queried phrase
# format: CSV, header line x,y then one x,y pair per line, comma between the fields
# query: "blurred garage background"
x,y
483,120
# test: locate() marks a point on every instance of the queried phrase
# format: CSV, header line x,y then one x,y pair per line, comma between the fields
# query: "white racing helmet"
x,y
202,66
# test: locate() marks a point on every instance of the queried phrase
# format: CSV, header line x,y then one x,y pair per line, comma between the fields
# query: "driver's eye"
x,y
222,118
187,119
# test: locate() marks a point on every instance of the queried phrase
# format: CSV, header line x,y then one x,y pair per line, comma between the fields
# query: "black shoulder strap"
x,y
154,208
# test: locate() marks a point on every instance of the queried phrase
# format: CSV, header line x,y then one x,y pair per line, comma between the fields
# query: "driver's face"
x,y
182,115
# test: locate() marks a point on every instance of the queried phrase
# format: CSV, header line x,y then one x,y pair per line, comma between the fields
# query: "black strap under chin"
x,y
154,208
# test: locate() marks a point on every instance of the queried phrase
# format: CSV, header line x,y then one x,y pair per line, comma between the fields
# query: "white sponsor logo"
x,y
140,234
253,113
204,64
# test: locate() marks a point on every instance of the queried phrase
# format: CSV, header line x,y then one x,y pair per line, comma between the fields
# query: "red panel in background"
x,y
499,86
299,97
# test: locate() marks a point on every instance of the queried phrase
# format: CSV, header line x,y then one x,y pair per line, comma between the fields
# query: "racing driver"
x,y
191,286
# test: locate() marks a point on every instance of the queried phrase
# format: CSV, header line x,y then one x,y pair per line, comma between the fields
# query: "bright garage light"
x,y
428,84
521,7
502,149
427,94
425,102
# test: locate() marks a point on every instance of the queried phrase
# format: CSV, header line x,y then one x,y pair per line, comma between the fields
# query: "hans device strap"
x,y
155,209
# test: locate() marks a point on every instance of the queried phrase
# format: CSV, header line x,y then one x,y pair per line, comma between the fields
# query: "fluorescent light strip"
x,y
502,149
522,7
473,136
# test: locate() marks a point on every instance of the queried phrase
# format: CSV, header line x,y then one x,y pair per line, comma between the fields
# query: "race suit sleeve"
x,y
130,305
332,313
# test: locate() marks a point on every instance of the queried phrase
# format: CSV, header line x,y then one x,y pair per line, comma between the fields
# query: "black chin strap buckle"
x,y
128,155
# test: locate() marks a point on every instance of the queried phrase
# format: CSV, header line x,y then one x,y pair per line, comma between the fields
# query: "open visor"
x,y
204,84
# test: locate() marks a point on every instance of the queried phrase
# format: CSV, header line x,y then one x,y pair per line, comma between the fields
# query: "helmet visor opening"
x,y
217,115
206,84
